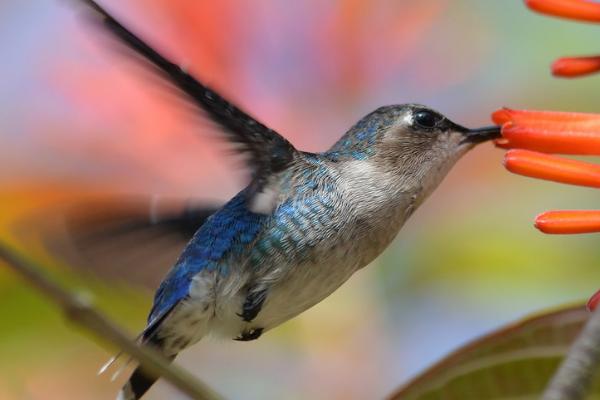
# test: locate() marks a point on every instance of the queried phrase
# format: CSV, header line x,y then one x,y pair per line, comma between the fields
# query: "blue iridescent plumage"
x,y
227,232
358,142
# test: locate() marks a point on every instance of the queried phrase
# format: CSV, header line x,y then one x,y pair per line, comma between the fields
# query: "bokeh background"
x,y
76,117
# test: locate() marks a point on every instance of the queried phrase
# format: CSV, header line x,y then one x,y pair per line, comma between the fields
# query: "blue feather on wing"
x,y
229,231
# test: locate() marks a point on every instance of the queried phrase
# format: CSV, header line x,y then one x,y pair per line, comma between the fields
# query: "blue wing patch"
x,y
227,232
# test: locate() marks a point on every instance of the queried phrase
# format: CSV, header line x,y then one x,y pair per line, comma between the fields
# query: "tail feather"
x,y
109,363
138,384
121,369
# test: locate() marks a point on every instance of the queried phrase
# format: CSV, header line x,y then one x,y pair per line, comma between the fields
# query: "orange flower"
x,y
563,170
572,67
553,132
568,221
504,115
552,168
593,301
581,10
549,131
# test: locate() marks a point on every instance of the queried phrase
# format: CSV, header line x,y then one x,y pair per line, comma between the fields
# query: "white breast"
x,y
378,208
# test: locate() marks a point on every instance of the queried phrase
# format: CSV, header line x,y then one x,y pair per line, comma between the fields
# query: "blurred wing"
x,y
268,152
133,240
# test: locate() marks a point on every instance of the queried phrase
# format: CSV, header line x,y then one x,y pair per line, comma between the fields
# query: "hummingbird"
x,y
303,225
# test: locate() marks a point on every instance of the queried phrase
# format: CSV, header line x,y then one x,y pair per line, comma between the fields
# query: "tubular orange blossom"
x,y
568,221
549,131
581,10
572,67
552,168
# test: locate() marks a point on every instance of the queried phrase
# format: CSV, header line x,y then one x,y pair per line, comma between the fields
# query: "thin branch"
x,y
573,378
82,313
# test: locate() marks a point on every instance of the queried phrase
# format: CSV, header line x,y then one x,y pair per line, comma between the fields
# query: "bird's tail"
x,y
137,385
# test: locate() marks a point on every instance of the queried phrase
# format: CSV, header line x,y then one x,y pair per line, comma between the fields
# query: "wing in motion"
x,y
122,238
268,152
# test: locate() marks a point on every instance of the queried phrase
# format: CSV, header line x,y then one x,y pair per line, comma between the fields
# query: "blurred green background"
x,y
74,114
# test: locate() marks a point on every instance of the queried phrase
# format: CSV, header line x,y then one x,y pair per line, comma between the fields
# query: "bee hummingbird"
x,y
304,224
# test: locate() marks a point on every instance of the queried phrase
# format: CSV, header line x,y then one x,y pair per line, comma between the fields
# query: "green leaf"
x,y
514,362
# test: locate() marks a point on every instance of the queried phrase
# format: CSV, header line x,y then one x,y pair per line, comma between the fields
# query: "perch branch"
x,y
573,378
82,313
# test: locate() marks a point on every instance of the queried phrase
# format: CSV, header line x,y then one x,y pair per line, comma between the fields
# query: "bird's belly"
x,y
302,291
310,282
328,267
305,284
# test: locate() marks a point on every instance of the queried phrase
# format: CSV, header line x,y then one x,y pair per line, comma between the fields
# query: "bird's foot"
x,y
252,305
251,334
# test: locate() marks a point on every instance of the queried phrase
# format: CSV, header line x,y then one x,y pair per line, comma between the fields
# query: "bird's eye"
x,y
426,119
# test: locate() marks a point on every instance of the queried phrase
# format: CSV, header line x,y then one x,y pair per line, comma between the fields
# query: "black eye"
x,y
426,119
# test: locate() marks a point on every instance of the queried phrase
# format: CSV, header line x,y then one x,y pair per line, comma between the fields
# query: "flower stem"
x,y
573,378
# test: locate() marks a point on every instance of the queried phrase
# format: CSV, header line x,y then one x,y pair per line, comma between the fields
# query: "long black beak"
x,y
482,134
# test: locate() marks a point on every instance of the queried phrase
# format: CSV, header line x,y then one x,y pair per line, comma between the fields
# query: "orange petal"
x,y
503,143
552,168
568,222
581,10
555,140
571,67
546,118
592,303
502,115
549,131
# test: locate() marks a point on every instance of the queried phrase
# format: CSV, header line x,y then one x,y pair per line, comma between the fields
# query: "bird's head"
x,y
411,143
